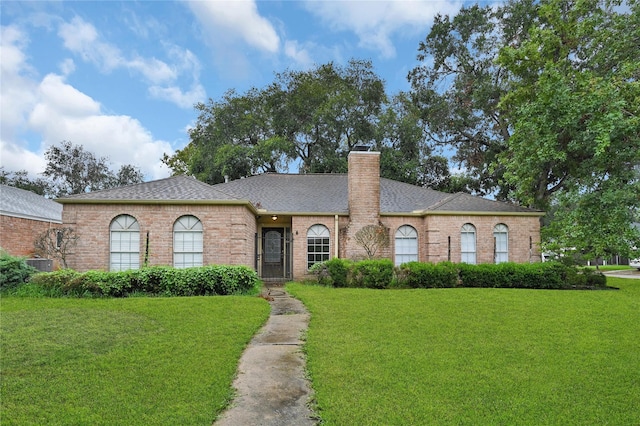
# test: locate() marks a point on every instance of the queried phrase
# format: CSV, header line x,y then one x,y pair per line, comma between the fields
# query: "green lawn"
x,y
475,356
136,361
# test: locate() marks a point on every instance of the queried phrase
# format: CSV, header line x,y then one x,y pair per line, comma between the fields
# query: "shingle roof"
x,y
28,205
175,188
328,193
299,193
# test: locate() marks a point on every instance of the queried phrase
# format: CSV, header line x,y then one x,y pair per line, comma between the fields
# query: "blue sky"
x,y
121,78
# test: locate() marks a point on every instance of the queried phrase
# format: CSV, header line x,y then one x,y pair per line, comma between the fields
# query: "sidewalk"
x,y
271,389
623,273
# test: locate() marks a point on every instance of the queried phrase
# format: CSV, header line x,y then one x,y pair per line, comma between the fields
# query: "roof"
x,y
328,193
173,189
299,194
17,202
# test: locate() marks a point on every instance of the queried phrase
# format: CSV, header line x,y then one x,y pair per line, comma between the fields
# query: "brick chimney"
x,y
364,200
364,188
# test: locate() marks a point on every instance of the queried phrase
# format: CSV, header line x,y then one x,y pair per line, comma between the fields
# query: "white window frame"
x,y
187,242
318,244
406,245
124,243
501,243
468,244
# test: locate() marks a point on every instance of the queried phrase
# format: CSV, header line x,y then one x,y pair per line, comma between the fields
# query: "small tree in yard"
x,y
56,243
372,238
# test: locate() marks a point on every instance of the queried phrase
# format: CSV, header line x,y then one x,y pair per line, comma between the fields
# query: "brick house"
x,y
25,215
281,224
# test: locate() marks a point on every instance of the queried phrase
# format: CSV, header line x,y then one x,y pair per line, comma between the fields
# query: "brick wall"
x,y
17,235
228,232
299,227
523,237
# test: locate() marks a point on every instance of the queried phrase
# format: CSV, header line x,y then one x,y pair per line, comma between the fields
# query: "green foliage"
x,y
426,275
373,273
14,271
382,274
333,272
315,118
156,280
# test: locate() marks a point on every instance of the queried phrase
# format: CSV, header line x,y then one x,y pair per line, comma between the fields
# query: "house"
x,y
25,215
281,224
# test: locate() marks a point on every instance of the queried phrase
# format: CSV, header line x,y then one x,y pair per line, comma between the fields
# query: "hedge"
x,y
154,281
14,271
382,274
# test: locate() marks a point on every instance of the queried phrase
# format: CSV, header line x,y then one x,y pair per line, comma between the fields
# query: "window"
x,y
318,247
125,243
406,244
468,243
501,243
187,242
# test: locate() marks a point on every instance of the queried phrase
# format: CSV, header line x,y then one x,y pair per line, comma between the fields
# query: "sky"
x,y
121,78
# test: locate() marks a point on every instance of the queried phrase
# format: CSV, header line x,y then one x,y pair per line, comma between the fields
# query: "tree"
x,y
574,105
372,238
458,86
314,119
56,243
73,170
21,179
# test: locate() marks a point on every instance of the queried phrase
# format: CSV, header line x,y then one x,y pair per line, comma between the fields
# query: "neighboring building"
x,y
281,224
25,215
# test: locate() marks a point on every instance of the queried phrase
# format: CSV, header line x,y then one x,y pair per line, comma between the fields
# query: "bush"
x,y
333,272
155,281
371,273
14,271
426,275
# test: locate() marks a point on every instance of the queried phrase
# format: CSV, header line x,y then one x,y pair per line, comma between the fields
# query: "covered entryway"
x,y
274,253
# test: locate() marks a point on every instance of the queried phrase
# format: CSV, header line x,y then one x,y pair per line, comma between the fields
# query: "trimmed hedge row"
x,y
382,274
153,281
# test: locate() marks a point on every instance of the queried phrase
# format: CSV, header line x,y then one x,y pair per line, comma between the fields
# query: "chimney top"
x,y
361,148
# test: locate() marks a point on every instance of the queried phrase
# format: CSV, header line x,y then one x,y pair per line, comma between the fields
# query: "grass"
x,y
474,356
136,361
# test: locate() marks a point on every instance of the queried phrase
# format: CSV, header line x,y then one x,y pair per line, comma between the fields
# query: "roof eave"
x,y
245,203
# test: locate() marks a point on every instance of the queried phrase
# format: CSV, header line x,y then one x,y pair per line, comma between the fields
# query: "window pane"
x,y
188,242
318,244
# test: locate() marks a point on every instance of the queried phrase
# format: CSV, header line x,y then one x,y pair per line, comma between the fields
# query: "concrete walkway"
x,y
271,389
623,273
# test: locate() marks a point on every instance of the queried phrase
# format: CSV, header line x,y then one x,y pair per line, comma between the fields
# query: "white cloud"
x,y
234,20
375,22
56,111
64,113
177,96
17,88
82,38
300,54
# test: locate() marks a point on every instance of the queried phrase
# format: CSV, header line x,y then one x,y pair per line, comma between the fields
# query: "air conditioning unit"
x,y
43,265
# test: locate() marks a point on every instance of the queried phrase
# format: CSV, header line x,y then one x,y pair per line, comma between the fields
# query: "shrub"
x,y
426,275
333,272
14,271
371,273
157,281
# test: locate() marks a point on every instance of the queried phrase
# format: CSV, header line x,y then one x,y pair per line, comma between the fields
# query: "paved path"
x,y
271,389
623,273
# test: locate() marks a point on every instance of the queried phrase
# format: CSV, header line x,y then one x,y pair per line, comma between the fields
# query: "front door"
x,y
273,252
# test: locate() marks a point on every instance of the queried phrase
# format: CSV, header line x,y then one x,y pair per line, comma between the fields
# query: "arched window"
x,y
124,243
318,247
501,243
187,242
468,243
406,244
